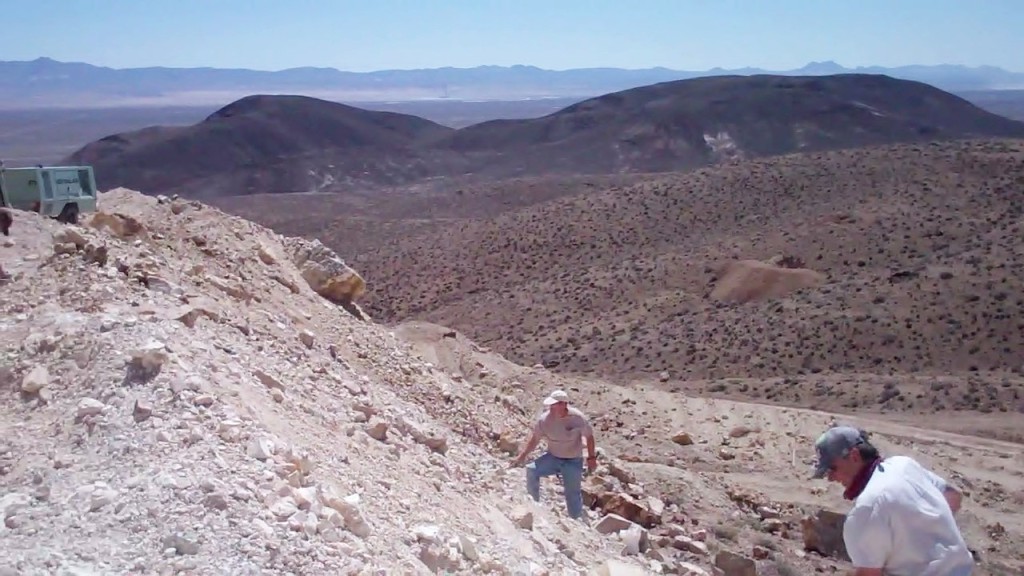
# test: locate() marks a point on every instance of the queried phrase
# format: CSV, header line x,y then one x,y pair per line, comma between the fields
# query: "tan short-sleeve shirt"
x,y
564,436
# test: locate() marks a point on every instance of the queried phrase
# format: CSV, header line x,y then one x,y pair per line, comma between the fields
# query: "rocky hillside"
x,y
186,392
285,144
888,260
177,398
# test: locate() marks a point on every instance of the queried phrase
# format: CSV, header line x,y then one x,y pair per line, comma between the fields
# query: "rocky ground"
x,y
182,391
177,399
738,472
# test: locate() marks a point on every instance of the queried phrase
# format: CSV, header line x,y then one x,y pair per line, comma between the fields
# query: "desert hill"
x,y
690,123
258,143
183,391
287,144
853,265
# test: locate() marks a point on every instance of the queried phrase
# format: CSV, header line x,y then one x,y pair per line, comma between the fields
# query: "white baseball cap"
x,y
556,397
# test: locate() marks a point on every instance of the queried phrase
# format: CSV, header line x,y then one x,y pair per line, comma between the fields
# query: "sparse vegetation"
x,y
611,275
725,532
783,568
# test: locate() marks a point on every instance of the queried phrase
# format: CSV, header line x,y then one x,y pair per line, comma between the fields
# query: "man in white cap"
x,y
902,522
564,428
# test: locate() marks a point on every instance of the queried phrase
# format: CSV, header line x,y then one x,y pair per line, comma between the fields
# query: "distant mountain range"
x,y
280,144
47,83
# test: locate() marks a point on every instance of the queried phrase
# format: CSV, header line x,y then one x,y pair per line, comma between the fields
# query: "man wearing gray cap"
x,y
902,522
564,428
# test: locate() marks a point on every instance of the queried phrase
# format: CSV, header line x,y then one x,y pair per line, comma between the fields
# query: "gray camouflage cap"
x,y
834,444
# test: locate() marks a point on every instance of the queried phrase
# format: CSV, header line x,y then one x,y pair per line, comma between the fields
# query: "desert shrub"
x,y
723,532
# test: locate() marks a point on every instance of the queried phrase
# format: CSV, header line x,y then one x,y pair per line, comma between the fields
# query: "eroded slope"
x,y
918,246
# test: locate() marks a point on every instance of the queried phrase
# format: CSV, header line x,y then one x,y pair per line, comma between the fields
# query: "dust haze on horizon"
x,y
390,35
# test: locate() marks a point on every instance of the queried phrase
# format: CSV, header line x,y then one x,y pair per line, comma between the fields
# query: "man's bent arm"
x,y
591,445
954,497
531,443
951,493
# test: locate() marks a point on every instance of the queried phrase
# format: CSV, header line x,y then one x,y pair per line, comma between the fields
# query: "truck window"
x,y
86,183
47,186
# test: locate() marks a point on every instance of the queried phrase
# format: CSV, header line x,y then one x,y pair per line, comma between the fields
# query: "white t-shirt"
x,y
901,522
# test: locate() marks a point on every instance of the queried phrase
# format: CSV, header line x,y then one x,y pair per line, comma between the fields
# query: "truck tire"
x,y
69,215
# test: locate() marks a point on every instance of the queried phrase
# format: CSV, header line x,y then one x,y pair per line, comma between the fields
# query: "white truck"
x,y
61,192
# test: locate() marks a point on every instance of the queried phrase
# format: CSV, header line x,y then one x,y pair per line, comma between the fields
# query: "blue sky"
x,y
557,34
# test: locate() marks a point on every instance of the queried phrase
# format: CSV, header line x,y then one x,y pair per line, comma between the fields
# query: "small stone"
x,y
216,501
268,380
823,533
35,380
180,545
64,248
261,448
266,254
304,497
427,533
507,443
284,508
740,431
307,338
612,523
89,407
12,503
349,509
377,429
687,544
142,410
203,400
732,564
468,548
262,528
101,497
682,438
523,517
149,359
436,442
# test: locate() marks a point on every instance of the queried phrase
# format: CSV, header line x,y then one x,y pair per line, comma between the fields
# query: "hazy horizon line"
x,y
809,63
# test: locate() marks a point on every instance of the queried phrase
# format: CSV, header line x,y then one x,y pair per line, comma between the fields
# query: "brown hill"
x,y
689,123
917,247
299,144
266,143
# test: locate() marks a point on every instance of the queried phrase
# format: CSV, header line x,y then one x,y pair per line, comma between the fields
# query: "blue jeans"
x,y
571,471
